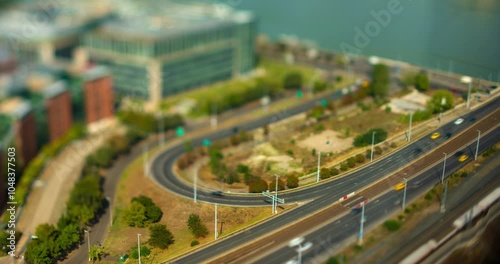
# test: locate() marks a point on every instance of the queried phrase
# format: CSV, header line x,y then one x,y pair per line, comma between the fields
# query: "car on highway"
x,y
399,186
435,135
218,193
459,121
463,158
447,136
356,211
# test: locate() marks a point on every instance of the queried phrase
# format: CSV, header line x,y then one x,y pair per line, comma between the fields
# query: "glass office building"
x,y
172,47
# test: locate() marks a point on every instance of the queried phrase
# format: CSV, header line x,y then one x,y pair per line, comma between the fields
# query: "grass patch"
x,y
392,225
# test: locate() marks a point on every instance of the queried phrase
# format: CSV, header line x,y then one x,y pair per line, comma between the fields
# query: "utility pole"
x,y
443,204
319,164
360,241
409,127
88,241
216,233
404,195
477,145
373,141
139,246
194,185
276,196
162,128
444,167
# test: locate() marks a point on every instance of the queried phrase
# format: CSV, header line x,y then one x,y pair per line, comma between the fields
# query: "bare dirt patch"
x,y
326,141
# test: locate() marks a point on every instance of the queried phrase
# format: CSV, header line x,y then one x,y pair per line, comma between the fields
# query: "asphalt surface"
x,y
332,191
326,238
163,164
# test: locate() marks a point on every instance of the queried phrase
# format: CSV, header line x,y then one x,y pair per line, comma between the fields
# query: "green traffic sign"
x,y
180,131
299,94
206,142
324,103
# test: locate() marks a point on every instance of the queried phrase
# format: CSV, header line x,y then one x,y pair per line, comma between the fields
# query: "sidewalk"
x,y
47,199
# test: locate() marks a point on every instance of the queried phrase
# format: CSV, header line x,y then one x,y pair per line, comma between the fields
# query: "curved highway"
x,y
163,163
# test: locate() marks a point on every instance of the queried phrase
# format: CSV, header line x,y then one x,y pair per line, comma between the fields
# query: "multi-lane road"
x,y
331,191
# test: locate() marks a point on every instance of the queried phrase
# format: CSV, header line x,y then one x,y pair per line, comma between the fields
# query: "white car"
x,y
459,121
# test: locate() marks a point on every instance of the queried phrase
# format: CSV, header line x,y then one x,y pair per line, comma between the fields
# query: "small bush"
x,y
324,173
332,260
344,166
257,186
195,243
387,109
334,171
319,128
351,162
428,196
292,181
313,152
197,227
360,158
393,145
377,150
289,152
358,248
392,225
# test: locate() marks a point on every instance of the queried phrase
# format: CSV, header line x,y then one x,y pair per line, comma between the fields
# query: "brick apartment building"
x,y
59,111
24,128
98,94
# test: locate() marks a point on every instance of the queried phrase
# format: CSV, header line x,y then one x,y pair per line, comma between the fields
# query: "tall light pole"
x,y
404,195
88,241
145,160
275,200
194,185
443,204
360,241
477,145
444,167
161,129
468,80
216,232
319,164
409,127
373,141
296,242
139,246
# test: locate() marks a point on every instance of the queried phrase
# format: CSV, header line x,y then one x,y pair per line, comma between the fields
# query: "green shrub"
x,y
366,138
334,171
272,185
351,162
257,186
197,227
332,260
145,251
344,166
194,243
292,181
360,158
324,173
392,225
289,152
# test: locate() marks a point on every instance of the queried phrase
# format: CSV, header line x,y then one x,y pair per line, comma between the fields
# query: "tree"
x,y
232,176
377,150
422,82
197,227
292,181
441,100
334,171
366,138
317,112
135,214
380,83
293,81
69,237
319,86
85,199
344,166
360,158
145,251
119,144
104,156
243,169
160,236
46,232
96,253
272,185
257,186
351,162
153,212
324,173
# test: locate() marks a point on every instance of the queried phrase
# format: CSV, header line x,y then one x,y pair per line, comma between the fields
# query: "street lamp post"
x,y
468,80
409,127
216,233
276,195
373,141
297,242
444,167
139,247
477,145
194,185
88,241
443,204
404,194
360,241
319,164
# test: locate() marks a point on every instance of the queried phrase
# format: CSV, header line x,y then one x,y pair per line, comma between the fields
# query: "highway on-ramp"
x,y
163,164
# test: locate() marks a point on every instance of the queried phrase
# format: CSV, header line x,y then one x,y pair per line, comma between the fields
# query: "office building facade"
x,y
155,55
98,94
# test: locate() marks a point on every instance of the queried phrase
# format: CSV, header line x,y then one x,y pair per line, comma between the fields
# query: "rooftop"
x,y
15,107
95,73
160,19
41,21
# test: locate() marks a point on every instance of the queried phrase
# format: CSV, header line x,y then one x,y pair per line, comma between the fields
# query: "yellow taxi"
x,y
435,135
463,158
399,186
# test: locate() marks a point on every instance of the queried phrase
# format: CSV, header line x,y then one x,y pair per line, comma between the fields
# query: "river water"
x,y
461,36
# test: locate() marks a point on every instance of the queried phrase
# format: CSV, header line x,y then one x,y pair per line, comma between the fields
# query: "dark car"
x,y
218,193
356,211
447,136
